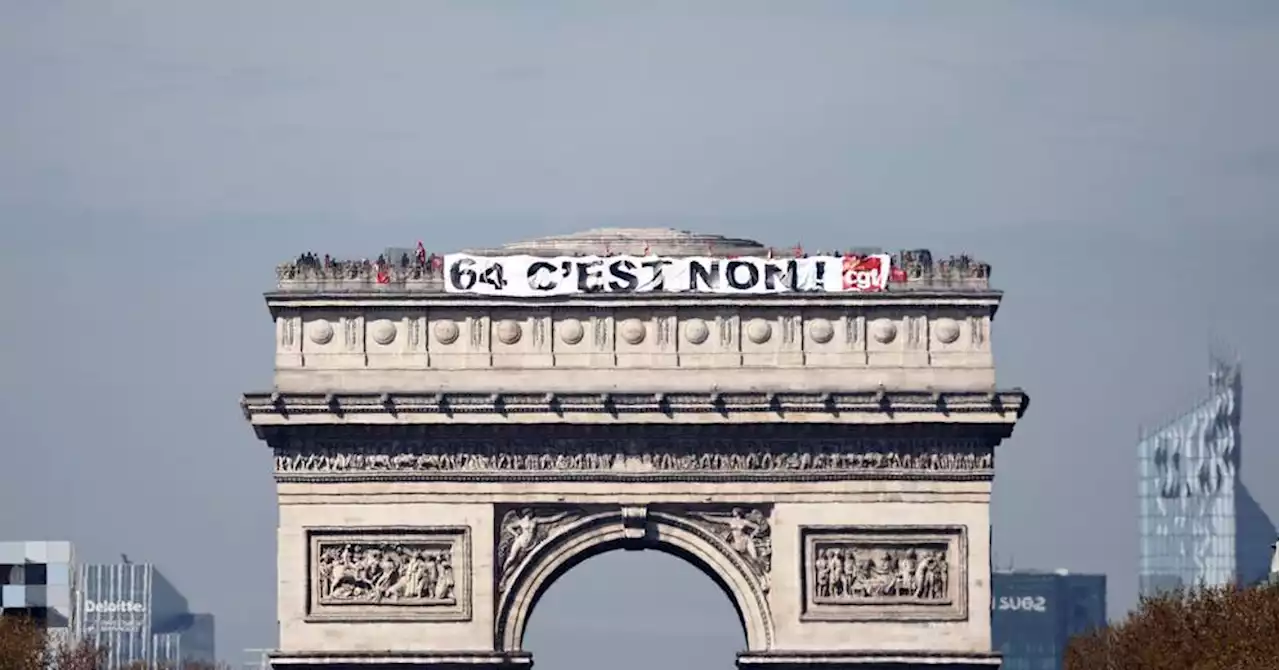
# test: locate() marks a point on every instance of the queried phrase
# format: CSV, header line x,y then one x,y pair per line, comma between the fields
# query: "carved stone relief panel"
x,y
744,530
332,340
393,339
288,340
352,332
884,573
579,339
769,337
643,339
704,339
457,339
389,574
979,327
520,339
913,327
521,530
831,338
289,330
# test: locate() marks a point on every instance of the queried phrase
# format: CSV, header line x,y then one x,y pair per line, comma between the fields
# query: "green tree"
x,y
1216,628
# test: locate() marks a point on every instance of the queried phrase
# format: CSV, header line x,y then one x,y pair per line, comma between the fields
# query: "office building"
x,y
36,581
136,614
1199,525
1035,614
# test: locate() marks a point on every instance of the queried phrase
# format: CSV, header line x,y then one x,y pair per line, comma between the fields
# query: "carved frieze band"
x,y
389,574
882,573
636,459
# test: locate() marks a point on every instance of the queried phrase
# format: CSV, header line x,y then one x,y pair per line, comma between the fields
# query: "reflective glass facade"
x,y
1198,524
1034,615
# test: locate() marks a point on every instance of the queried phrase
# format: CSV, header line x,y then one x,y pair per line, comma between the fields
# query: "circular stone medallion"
x,y
883,330
508,331
759,330
571,331
631,331
696,331
383,332
821,331
446,332
321,331
947,330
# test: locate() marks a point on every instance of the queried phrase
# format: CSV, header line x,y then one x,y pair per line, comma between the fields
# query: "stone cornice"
x,y
882,407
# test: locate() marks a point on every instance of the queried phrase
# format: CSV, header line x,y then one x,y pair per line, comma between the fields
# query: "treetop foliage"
x,y
1211,628
27,645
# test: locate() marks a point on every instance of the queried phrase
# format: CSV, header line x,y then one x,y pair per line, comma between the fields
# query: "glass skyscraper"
x,y
1198,523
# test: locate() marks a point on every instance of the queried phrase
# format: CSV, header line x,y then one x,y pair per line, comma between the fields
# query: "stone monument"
x,y
450,436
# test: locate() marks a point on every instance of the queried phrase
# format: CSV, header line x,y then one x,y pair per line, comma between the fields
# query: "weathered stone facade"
x,y
827,458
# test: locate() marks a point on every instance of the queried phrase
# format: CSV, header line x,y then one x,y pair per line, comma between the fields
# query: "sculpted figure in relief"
x,y
385,573
850,574
747,532
521,531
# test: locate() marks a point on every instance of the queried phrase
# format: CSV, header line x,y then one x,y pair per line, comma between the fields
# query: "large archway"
x,y
660,608
449,438
529,576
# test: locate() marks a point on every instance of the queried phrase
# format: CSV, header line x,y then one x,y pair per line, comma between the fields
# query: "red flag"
x,y
867,273
383,276
897,274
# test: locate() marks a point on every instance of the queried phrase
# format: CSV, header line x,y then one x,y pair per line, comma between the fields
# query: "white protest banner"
x,y
534,276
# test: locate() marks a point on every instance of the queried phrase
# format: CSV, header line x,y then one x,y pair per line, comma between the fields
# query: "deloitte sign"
x,y
108,616
118,607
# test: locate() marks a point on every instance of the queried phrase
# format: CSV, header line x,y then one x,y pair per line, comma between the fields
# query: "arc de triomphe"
x,y
447,445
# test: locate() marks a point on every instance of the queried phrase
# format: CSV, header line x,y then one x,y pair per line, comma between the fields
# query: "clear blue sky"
x,y
1115,161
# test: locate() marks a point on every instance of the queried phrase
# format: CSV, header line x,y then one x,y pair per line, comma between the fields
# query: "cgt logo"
x,y
117,607
868,273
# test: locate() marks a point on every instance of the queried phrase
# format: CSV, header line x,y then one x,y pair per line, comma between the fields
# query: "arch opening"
x,y
656,605
604,533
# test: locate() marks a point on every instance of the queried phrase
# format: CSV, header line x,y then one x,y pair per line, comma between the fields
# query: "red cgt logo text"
x,y
866,273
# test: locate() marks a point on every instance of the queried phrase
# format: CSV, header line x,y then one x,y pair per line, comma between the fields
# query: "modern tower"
x,y
1199,524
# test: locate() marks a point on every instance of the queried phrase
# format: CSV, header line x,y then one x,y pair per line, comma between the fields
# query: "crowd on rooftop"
x,y
422,265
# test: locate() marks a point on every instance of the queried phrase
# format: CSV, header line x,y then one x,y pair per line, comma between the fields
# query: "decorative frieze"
x,y
884,573
390,574
857,457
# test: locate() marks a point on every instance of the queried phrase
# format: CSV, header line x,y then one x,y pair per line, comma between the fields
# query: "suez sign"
x,y
116,607
533,276
1019,604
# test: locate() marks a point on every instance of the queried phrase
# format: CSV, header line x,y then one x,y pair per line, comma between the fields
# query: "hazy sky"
x,y
1115,161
